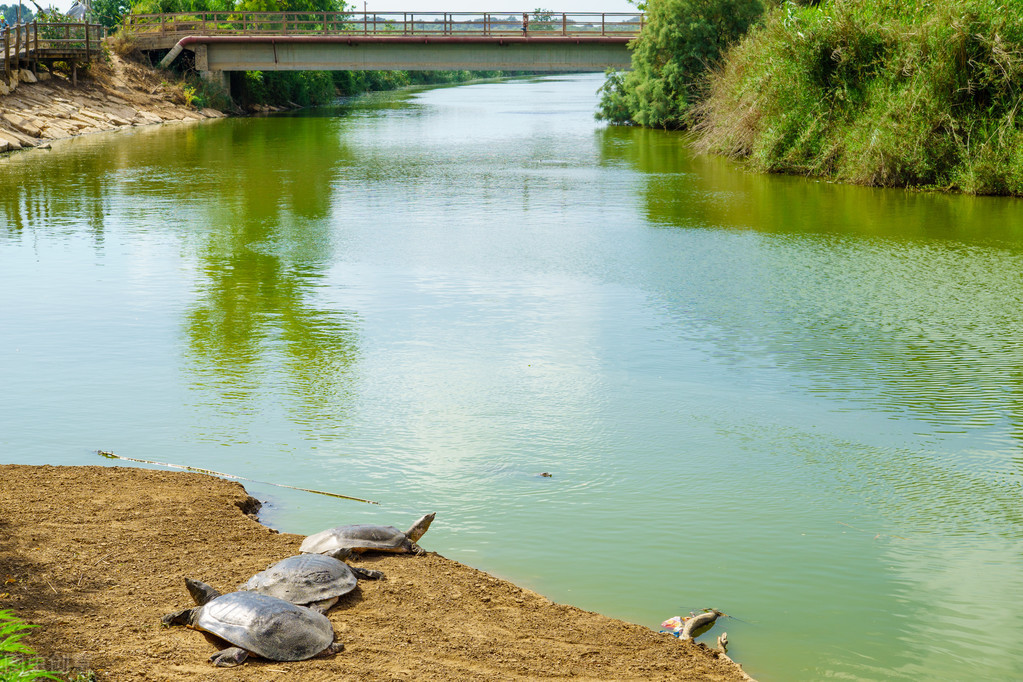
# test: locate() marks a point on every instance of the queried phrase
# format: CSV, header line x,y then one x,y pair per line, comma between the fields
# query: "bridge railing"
x,y
454,24
55,41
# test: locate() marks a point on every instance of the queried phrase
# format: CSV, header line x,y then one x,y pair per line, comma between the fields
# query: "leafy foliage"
x,y
287,87
291,5
175,6
11,13
544,20
320,87
16,659
877,92
109,13
171,6
680,40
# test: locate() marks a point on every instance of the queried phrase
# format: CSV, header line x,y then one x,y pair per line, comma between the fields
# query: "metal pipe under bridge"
x,y
383,41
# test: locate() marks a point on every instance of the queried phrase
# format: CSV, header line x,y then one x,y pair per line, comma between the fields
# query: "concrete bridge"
x,y
382,41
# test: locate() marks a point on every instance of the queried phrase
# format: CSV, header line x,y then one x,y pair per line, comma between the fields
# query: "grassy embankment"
x,y
877,92
903,93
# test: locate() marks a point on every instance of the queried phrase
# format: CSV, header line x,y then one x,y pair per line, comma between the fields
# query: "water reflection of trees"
x,y
37,191
251,201
908,301
257,325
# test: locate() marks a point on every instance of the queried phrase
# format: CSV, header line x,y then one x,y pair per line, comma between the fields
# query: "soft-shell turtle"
x,y
313,580
342,541
256,624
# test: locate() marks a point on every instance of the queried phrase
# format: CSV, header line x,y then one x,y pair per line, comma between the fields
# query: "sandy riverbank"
x,y
96,555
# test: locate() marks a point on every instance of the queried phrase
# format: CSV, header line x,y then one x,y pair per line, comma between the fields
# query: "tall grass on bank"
x,y
877,92
17,662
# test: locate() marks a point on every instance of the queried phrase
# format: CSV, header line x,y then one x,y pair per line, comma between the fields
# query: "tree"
x,y
109,13
679,42
11,13
291,5
187,6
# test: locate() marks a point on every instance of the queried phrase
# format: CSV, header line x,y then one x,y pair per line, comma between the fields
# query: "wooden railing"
x,y
454,24
29,43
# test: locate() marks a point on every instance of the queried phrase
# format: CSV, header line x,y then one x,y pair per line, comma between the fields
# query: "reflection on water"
x,y
256,325
794,401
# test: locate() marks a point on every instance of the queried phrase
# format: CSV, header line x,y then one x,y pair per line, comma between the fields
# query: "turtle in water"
x,y
313,580
343,541
258,624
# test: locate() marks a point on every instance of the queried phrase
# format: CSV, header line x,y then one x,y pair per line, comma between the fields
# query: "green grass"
x,y
17,662
909,93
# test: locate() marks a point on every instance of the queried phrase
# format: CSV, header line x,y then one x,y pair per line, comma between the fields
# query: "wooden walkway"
x,y
26,45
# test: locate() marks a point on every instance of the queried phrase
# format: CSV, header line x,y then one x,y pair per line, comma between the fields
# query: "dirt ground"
x,y
96,555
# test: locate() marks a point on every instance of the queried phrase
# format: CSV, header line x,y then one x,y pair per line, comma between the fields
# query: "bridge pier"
x,y
218,78
202,65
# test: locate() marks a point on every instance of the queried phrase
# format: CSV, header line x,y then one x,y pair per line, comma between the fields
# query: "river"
x,y
797,402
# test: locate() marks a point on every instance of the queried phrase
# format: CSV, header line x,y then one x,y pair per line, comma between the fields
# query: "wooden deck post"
x,y
17,48
7,54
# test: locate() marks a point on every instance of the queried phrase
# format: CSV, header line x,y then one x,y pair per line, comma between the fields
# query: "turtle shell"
x,y
356,537
304,578
267,626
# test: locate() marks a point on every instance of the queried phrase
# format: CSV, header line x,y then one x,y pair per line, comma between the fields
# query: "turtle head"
x,y
200,591
420,527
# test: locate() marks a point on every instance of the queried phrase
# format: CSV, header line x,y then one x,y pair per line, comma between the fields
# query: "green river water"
x,y
797,402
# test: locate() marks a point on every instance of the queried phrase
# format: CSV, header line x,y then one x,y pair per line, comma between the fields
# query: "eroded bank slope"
x,y
96,555
115,93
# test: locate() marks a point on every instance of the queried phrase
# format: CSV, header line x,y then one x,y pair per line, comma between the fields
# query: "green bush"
x,y
176,6
286,88
680,40
109,13
17,661
876,92
356,82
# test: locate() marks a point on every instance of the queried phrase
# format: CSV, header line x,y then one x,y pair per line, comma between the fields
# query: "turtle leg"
x,y
183,617
366,573
413,548
334,648
227,658
341,553
324,605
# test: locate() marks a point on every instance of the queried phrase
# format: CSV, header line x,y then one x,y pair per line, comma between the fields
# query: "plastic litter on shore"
x,y
673,626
